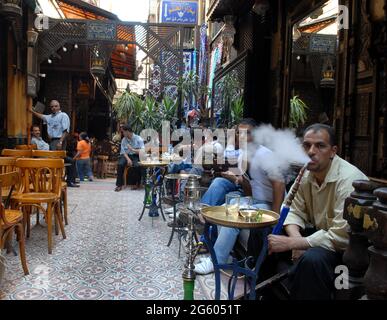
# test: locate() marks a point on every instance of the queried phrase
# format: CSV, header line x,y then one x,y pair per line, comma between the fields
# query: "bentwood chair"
x,y
26,147
41,183
11,220
7,164
16,153
55,154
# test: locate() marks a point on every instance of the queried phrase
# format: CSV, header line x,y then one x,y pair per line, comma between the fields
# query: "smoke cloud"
x,y
286,151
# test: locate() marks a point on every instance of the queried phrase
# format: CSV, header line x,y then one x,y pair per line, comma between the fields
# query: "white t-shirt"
x,y
260,183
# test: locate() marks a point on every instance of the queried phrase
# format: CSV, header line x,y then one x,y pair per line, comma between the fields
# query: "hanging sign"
x,y
183,12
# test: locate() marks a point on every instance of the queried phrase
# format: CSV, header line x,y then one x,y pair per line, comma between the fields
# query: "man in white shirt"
x,y
58,125
267,193
37,139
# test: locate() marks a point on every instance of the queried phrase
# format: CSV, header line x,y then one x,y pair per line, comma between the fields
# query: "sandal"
x,y
118,189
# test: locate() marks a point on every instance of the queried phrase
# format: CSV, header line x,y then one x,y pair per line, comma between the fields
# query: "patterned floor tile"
x,y
108,253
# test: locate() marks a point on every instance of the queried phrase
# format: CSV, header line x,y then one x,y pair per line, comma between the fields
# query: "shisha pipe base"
x,y
189,287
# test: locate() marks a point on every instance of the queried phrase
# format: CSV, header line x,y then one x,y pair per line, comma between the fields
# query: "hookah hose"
x,y
284,213
285,209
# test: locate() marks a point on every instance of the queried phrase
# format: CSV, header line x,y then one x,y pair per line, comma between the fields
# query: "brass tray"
x,y
217,215
153,163
180,176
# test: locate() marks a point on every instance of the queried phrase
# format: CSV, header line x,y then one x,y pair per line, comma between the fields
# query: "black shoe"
x,y
72,185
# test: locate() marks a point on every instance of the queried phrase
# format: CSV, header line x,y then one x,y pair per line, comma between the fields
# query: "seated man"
x,y
319,202
267,193
131,145
37,139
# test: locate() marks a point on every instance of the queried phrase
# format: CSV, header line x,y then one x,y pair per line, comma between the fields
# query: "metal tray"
x,y
153,164
180,176
217,215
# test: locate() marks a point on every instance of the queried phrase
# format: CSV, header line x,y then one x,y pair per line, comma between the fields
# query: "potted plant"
x,y
237,108
129,108
298,112
231,93
168,109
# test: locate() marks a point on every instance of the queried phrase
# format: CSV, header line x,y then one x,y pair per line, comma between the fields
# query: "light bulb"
x,y
75,46
49,60
64,49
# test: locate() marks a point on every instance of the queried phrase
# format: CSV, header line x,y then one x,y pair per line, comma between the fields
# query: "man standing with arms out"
x,y
58,125
37,139
319,202
58,128
131,145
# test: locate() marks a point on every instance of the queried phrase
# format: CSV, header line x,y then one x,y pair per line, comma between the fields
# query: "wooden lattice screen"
x,y
163,43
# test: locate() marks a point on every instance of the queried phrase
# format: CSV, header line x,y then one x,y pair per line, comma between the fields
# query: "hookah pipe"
x,y
192,251
191,194
284,213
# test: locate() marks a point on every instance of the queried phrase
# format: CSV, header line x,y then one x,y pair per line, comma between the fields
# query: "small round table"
x,y
217,216
153,188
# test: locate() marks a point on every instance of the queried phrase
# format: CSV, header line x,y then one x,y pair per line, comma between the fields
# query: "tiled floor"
x,y
108,253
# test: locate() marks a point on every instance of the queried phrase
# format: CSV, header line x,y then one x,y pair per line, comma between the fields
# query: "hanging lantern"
x,y
97,65
11,8
261,7
328,75
83,89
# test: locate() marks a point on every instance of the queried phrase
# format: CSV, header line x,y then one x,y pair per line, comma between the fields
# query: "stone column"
x,y
357,209
375,280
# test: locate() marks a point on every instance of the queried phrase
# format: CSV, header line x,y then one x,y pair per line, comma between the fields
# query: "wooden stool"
x,y
126,170
102,166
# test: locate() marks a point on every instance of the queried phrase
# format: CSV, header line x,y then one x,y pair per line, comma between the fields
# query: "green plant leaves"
x,y
298,112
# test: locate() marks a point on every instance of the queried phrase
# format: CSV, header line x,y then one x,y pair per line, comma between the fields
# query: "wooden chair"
x,y
7,164
26,147
56,154
41,183
16,153
12,220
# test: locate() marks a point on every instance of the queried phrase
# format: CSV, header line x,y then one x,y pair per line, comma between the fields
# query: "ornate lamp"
x,y
261,7
228,34
328,75
32,37
11,8
97,65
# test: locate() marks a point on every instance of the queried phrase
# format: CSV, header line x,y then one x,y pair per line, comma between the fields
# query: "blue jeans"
x,y
216,193
84,169
228,236
175,167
